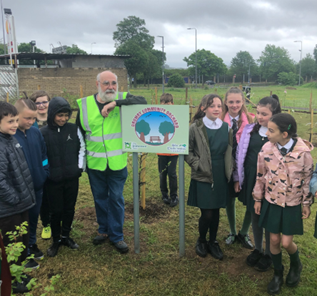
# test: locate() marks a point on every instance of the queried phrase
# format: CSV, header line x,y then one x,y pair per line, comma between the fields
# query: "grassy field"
x,y
158,270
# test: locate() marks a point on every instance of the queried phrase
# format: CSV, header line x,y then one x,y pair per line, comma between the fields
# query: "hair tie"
x,y
289,127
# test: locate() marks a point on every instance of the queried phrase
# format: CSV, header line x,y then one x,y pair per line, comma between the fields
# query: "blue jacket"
x,y
34,149
313,182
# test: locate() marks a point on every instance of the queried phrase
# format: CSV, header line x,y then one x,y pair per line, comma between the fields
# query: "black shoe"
x,y
20,288
264,263
214,250
293,276
254,257
121,247
201,248
245,241
100,239
231,239
68,242
34,250
53,249
174,202
32,264
276,283
166,200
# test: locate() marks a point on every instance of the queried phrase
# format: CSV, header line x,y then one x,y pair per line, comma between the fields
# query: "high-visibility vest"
x,y
103,135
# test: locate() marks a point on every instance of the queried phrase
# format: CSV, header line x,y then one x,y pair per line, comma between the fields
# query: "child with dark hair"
x,y
281,194
252,139
236,115
16,187
167,163
210,159
66,156
34,148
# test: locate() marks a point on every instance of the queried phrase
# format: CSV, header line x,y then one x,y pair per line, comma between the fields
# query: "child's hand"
x,y
305,212
257,207
236,187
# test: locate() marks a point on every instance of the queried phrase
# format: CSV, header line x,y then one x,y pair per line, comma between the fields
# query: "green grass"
x,y
158,270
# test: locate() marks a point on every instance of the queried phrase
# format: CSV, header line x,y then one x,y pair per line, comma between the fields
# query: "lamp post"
x,y
33,43
300,60
249,74
91,46
195,53
162,63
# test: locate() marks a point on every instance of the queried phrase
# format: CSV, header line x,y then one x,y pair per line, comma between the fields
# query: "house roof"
x,y
58,56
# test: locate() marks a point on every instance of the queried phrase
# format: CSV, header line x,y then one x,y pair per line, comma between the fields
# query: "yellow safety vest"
x,y
103,135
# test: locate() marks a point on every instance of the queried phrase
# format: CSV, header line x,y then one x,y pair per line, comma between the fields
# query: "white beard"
x,y
107,96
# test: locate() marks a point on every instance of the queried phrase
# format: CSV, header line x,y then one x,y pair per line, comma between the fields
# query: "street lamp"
x,y
162,63
195,53
91,46
300,60
33,43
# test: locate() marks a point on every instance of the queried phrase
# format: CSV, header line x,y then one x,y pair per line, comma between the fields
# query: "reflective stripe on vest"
x,y
103,136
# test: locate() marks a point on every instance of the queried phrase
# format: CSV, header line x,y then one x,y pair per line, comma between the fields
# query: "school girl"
x,y
236,115
210,159
313,190
252,139
284,169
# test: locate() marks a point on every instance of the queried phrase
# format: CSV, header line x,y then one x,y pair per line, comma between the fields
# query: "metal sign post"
x,y
181,184
136,216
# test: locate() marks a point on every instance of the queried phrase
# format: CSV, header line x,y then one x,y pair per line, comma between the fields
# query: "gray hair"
x,y
98,76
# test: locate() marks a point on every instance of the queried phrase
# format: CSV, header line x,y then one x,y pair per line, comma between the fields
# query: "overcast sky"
x,y
224,27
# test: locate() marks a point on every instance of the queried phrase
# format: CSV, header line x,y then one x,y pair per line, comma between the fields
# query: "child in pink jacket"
x,y
284,170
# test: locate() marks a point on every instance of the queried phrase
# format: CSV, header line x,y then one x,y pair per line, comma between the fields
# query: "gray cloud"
x,y
224,27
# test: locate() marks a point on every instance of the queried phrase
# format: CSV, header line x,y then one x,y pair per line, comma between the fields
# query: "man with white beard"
x,y
99,119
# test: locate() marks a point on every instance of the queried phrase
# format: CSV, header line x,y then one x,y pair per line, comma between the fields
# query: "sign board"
x,y
60,49
155,128
10,30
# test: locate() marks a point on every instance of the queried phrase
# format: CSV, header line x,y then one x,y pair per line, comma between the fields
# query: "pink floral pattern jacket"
x,y
284,180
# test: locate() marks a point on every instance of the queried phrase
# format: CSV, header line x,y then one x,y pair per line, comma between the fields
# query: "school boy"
x,y
66,156
34,148
167,166
16,187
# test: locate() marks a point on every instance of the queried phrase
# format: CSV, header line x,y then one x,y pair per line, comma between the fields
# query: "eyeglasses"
x,y
41,103
107,83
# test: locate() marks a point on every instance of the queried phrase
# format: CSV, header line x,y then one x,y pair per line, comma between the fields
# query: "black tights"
x,y
209,219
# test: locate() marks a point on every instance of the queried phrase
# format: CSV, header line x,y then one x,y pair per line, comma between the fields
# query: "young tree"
x,y
208,64
308,66
176,80
133,28
143,128
275,60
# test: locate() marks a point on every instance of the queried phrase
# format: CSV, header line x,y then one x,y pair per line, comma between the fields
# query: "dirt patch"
x,y
152,212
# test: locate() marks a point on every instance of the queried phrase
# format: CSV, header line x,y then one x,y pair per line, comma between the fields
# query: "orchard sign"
x,y
155,128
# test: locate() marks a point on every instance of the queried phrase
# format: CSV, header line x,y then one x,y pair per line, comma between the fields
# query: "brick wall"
x,y
56,81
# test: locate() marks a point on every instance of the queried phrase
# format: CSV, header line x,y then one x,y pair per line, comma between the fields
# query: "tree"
x,y
165,129
208,64
315,53
138,60
152,69
287,78
133,28
143,128
176,80
75,49
308,66
241,63
275,60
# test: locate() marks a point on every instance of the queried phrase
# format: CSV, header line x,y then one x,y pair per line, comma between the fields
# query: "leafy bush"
x,y
289,78
176,80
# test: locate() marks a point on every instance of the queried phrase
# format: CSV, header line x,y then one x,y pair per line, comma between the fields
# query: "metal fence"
x,y
9,87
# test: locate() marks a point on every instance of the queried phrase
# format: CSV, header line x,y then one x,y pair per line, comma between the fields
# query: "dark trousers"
x,y
34,216
62,198
167,166
209,220
45,209
9,224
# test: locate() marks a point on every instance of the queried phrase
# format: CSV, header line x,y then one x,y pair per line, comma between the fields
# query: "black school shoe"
x,y
231,239
201,248
34,250
245,241
274,287
174,202
293,276
20,288
214,250
68,242
53,249
264,263
254,257
32,264
166,200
